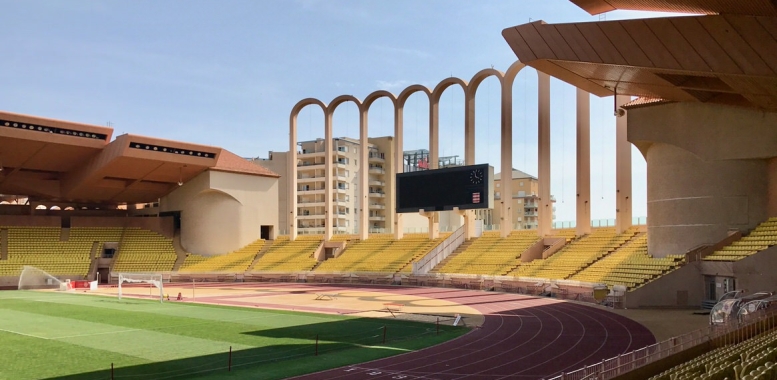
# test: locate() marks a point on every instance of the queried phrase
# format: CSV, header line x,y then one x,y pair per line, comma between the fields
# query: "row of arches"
x,y
506,80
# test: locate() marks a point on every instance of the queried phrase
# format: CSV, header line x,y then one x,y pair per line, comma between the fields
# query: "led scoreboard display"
x,y
462,187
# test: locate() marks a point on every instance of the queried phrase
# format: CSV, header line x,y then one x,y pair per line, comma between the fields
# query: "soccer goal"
x,y
142,278
35,278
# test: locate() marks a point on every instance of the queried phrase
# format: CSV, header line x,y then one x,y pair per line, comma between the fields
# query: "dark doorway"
x,y
65,222
266,232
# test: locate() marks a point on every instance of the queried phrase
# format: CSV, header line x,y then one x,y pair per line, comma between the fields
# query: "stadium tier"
x,y
630,266
289,256
490,254
576,255
762,237
381,253
41,247
144,251
753,359
232,262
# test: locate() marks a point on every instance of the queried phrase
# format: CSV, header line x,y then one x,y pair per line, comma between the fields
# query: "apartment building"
x,y
525,201
347,207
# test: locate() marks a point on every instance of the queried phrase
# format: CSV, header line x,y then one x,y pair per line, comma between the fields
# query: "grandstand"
x,y
233,262
762,237
144,251
490,254
629,266
381,253
289,256
576,255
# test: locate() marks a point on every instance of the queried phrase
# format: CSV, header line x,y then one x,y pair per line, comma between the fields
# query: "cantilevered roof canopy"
x,y
62,161
727,59
741,7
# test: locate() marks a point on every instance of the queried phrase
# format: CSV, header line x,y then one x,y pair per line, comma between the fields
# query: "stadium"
x,y
134,256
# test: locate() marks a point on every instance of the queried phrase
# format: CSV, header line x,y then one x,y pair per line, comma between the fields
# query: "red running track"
x,y
522,337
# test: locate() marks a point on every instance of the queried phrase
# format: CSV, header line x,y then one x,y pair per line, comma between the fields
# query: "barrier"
x,y
627,362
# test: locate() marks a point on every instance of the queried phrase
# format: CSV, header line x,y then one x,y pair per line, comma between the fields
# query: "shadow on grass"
x,y
314,347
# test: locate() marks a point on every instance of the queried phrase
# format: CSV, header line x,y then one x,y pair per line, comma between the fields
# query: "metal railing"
x,y
723,334
439,253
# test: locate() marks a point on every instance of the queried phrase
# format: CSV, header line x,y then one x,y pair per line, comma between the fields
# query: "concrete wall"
x,y
756,273
708,171
771,169
221,212
683,288
279,163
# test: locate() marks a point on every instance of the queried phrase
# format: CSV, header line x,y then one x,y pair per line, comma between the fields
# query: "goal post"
x,y
142,278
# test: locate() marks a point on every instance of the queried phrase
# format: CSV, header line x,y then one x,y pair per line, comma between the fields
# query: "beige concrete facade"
x,y
221,212
525,202
710,170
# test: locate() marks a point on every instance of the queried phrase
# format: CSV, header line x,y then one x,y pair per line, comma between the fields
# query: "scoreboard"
x,y
463,187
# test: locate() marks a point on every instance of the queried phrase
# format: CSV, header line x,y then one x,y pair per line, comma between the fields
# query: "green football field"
x,y
77,336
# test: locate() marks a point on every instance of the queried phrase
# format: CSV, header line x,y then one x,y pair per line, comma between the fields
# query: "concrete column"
x,y
583,210
545,212
399,164
364,205
622,169
328,156
292,180
434,223
469,155
506,164
434,157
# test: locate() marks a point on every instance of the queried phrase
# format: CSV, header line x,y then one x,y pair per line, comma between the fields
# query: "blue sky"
x,y
227,73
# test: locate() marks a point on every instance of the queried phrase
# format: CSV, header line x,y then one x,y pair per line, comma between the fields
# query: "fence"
x,y
722,335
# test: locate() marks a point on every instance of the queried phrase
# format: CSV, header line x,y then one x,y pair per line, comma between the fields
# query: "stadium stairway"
x,y
463,247
179,251
259,254
289,256
4,244
381,253
236,261
490,254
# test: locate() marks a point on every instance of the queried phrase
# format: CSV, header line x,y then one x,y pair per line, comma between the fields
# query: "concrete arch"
x,y
221,192
292,161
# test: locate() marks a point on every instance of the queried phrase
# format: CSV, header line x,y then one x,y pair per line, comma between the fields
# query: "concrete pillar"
x,y
292,180
469,155
399,164
583,167
434,157
434,223
545,211
622,169
506,164
364,204
328,157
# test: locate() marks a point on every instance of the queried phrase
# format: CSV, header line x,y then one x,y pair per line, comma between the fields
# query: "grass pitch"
x,y
76,336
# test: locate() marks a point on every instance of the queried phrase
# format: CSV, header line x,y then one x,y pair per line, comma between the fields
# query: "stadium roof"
x,y
728,57
56,160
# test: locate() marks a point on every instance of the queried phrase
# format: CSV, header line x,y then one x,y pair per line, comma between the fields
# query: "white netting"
x,y
142,278
34,278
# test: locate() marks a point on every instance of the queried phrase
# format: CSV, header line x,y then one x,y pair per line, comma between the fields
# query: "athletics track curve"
x,y
522,337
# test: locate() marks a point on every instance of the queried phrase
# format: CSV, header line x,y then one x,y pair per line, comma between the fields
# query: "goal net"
x,y
154,280
35,278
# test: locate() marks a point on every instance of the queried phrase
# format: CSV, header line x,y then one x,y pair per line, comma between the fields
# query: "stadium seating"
x,y
144,251
630,266
576,255
381,253
753,359
233,262
289,256
490,254
762,237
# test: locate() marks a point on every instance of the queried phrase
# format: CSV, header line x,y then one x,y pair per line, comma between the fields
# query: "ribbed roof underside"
x,y
741,7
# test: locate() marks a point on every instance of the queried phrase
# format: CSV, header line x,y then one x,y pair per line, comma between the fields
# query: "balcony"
x,y
310,203
310,165
377,206
310,216
377,218
309,179
375,182
377,157
311,191
377,195
376,170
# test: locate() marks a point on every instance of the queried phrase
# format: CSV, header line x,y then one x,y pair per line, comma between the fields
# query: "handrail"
x,y
439,253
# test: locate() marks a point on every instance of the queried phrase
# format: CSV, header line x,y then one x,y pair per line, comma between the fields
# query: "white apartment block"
x,y
347,208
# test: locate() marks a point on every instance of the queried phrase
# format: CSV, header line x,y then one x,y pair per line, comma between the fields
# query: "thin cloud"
x,y
400,51
392,85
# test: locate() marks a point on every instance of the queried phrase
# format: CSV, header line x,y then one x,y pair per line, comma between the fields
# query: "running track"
x,y
522,337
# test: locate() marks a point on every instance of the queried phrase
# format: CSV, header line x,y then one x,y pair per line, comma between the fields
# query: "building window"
x,y
520,183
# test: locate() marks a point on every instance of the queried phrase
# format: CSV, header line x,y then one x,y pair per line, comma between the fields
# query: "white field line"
x,y
23,334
